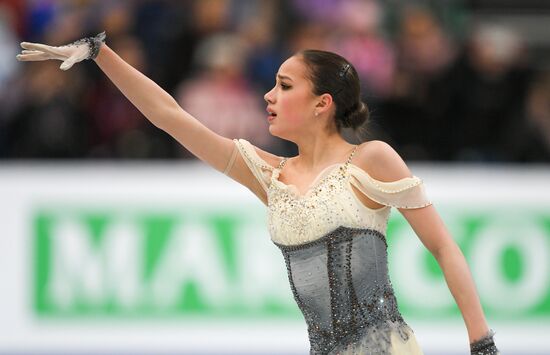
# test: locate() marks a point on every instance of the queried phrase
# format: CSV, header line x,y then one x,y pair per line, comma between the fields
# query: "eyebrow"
x,y
283,77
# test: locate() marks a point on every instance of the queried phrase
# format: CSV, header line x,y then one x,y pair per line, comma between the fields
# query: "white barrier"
x,y
176,258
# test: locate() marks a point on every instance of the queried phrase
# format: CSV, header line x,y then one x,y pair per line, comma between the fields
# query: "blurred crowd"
x,y
439,86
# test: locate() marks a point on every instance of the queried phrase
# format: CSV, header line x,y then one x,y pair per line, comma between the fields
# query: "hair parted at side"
x,y
332,74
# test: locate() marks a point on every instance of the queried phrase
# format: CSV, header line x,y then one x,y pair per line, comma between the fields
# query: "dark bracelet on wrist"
x,y
94,43
485,345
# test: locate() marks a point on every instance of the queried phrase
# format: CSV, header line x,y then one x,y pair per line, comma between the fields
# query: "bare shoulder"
x,y
381,161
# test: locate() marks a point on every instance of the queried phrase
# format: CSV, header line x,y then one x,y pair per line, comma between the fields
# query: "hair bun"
x,y
357,117
332,74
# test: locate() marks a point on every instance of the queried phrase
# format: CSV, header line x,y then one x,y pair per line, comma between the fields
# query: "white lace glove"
x,y
86,48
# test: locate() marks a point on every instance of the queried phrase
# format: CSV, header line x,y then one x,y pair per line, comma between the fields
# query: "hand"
x,y
86,48
485,345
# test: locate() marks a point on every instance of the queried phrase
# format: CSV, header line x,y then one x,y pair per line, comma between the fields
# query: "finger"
x,y
30,52
35,46
41,47
66,65
32,57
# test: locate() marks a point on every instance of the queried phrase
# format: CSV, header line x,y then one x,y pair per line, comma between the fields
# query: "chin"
x,y
274,131
277,132
288,132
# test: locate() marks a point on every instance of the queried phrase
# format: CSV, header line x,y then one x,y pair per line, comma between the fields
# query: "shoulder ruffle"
x,y
408,192
259,168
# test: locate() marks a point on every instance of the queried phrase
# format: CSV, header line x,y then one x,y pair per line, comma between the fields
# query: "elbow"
x,y
165,115
445,251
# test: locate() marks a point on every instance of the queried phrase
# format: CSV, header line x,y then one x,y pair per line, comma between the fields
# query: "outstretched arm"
x,y
164,112
155,103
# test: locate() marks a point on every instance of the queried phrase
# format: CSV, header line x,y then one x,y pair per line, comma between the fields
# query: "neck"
x,y
319,151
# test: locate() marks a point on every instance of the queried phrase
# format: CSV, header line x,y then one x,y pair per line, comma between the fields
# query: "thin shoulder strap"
x,y
351,156
282,163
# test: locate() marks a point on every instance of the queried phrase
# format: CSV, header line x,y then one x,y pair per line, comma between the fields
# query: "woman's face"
x,y
291,103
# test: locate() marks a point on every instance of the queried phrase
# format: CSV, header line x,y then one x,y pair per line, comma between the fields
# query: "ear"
x,y
324,104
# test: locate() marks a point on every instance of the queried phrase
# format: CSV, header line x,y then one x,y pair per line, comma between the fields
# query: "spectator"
x,y
117,128
359,39
490,86
431,94
536,144
415,113
48,121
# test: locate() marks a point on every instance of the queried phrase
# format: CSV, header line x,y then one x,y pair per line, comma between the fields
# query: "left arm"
x,y
384,164
431,230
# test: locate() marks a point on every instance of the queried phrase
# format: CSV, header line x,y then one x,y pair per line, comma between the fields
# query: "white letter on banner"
x,y
192,255
532,244
82,272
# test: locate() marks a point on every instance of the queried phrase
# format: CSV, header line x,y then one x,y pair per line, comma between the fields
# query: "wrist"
x,y
95,44
477,331
100,52
484,345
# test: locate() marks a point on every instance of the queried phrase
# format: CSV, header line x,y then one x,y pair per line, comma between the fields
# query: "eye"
x,y
285,86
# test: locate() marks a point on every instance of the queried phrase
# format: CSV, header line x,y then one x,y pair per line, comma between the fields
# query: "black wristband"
x,y
94,44
484,346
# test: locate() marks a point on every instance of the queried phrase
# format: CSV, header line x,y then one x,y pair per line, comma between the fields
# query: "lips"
x,y
271,114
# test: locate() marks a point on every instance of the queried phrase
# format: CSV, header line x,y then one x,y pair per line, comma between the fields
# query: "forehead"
x,y
293,68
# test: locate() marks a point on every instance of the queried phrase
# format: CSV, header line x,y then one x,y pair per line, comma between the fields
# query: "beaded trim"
x,y
93,43
255,159
282,163
386,204
485,343
417,182
351,155
379,186
292,285
331,236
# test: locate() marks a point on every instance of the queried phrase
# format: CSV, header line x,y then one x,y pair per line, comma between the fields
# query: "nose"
x,y
268,97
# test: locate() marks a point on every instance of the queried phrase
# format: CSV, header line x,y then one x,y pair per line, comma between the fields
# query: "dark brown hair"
x,y
332,74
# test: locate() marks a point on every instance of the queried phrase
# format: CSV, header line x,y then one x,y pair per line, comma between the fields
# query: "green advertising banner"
x,y
200,261
176,258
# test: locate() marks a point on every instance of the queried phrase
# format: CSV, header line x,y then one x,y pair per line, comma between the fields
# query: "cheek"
x,y
294,110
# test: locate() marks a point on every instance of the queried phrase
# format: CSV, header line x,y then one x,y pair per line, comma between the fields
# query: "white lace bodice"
x,y
331,201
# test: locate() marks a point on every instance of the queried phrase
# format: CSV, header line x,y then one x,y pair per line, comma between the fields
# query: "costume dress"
x,y
336,254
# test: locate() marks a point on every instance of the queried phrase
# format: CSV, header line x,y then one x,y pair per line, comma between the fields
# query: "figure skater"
x,y
328,206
